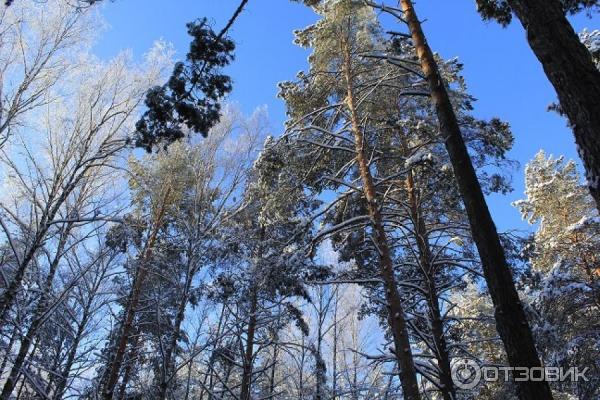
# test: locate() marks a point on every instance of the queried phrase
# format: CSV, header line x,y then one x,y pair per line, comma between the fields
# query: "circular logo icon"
x,y
466,374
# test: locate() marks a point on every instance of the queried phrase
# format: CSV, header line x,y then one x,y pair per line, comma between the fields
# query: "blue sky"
x,y
500,69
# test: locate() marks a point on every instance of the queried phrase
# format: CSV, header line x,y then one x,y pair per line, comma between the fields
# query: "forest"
x,y
158,242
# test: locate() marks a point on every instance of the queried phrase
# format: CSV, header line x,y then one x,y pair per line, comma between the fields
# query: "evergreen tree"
x,y
564,288
568,65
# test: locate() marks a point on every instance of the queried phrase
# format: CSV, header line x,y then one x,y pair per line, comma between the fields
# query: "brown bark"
x,y
396,317
511,322
569,66
112,373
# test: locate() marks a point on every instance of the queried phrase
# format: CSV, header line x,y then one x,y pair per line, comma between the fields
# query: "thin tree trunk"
x,y
396,317
569,66
23,377
320,365
275,353
86,315
16,370
56,364
168,367
129,367
334,350
188,382
38,320
112,373
216,344
511,321
435,318
273,369
66,371
249,353
9,346
8,297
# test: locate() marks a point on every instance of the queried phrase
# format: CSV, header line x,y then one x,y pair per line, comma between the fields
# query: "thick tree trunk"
x,y
511,321
429,272
396,317
571,70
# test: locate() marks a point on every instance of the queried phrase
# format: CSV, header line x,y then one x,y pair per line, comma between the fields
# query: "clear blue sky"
x,y
500,69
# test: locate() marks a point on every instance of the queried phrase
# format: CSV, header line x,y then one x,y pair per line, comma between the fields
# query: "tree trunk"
x,y
9,295
511,322
217,342
435,317
38,320
8,350
571,70
273,370
319,364
132,354
169,364
272,377
334,349
66,371
249,353
112,372
396,317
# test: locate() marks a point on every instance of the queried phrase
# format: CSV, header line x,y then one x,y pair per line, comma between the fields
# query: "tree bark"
x,y
396,317
569,66
511,322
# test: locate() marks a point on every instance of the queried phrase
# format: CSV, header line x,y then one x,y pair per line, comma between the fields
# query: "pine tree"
x,y
564,288
511,320
330,113
568,65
